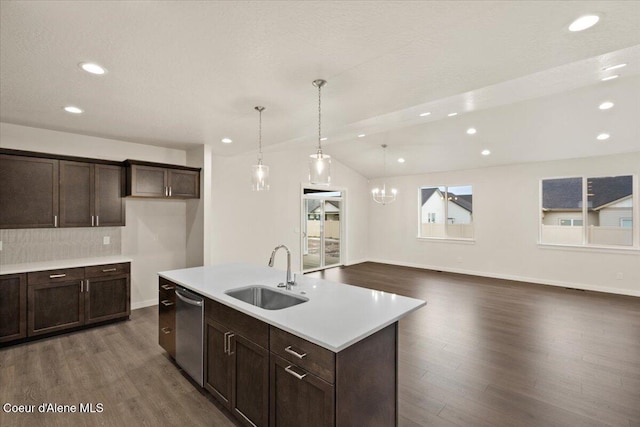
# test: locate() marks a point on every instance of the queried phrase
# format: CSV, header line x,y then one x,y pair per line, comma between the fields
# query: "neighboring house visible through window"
x,y
604,204
446,212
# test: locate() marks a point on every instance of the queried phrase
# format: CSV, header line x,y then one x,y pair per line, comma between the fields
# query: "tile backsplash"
x,y
49,244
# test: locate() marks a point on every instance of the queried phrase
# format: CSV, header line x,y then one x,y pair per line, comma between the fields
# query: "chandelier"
x,y
383,196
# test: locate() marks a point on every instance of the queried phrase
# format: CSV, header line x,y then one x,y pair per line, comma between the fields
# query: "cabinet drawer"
x,y
253,329
166,293
55,276
311,357
106,270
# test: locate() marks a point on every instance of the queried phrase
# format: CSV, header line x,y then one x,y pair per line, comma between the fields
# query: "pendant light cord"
x,y
319,119
260,140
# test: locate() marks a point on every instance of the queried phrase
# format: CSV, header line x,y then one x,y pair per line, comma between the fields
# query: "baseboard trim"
x,y
357,261
534,280
143,304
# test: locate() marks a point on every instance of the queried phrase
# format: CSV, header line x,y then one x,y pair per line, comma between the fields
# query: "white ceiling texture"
x,y
182,73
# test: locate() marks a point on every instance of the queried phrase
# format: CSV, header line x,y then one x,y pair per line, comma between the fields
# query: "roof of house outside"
x,y
465,201
566,193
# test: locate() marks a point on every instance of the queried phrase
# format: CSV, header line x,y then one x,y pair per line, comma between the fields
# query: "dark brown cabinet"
x,y
167,316
28,192
237,362
43,302
107,292
91,195
157,180
13,307
55,300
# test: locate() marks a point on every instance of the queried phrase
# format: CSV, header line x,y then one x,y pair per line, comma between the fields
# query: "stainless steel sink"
x,y
267,298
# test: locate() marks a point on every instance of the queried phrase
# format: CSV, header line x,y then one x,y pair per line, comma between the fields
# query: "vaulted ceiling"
x,y
187,73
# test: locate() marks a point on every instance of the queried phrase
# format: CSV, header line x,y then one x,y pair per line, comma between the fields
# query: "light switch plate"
x,y
106,240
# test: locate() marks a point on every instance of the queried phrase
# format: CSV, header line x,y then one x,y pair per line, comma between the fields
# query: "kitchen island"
x,y
329,361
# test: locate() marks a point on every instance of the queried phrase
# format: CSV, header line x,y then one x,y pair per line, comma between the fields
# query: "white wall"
x,y
247,225
155,234
506,233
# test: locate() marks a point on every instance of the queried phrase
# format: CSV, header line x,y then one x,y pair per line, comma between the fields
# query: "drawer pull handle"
x,y
109,270
56,276
167,287
294,373
166,330
295,353
166,303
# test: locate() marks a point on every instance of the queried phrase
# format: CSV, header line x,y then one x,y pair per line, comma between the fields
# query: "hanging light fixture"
x,y
320,163
381,195
260,172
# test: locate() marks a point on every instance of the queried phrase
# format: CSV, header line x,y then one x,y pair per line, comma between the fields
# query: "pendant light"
x,y
260,172
320,163
381,195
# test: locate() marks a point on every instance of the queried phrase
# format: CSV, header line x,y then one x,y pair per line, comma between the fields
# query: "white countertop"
x,y
62,263
335,317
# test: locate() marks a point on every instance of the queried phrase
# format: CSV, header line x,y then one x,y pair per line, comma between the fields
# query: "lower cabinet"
x,y
107,292
237,363
13,307
43,302
167,316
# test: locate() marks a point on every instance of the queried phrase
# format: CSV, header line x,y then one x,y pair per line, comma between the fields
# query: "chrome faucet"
x,y
273,255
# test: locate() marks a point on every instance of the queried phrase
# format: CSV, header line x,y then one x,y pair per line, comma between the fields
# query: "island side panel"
x,y
366,381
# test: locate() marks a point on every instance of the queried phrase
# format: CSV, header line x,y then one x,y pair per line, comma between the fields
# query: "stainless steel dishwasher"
x,y
190,333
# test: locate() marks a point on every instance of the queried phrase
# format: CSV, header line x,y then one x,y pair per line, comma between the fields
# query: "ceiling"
x,y
182,74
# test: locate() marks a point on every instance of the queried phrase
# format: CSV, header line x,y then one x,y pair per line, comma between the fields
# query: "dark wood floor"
x,y
483,352
488,352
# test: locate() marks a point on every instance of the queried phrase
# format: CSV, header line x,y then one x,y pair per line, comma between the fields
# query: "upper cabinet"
x,y
157,180
91,195
28,192
39,191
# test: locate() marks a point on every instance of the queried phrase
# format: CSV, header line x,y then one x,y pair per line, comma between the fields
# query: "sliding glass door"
x,y
321,229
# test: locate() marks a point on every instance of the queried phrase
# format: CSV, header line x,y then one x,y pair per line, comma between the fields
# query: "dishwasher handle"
x,y
190,301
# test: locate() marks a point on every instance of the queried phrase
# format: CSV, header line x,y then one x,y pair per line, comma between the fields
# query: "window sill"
x,y
631,250
447,240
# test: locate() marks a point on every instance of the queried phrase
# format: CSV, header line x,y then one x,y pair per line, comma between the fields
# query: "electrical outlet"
x,y
106,240
619,276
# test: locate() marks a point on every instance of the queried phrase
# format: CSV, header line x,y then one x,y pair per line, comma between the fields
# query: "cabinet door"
x,y
299,398
148,181
184,184
13,307
109,192
28,192
55,306
217,377
106,298
76,194
250,381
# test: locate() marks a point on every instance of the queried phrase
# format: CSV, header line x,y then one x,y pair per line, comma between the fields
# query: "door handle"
x,y
165,287
166,303
295,353
294,373
56,276
231,335
166,330
109,270
169,191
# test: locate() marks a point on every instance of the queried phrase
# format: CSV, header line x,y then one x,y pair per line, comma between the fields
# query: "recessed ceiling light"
x,y
400,160
73,110
452,114
424,114
584,22
485,152
362,135
93,68
324,138
615,76
227,140
471,131
614,67
603,136
606,105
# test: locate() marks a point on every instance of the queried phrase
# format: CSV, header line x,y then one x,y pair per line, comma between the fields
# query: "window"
x,y
604,204
446,212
